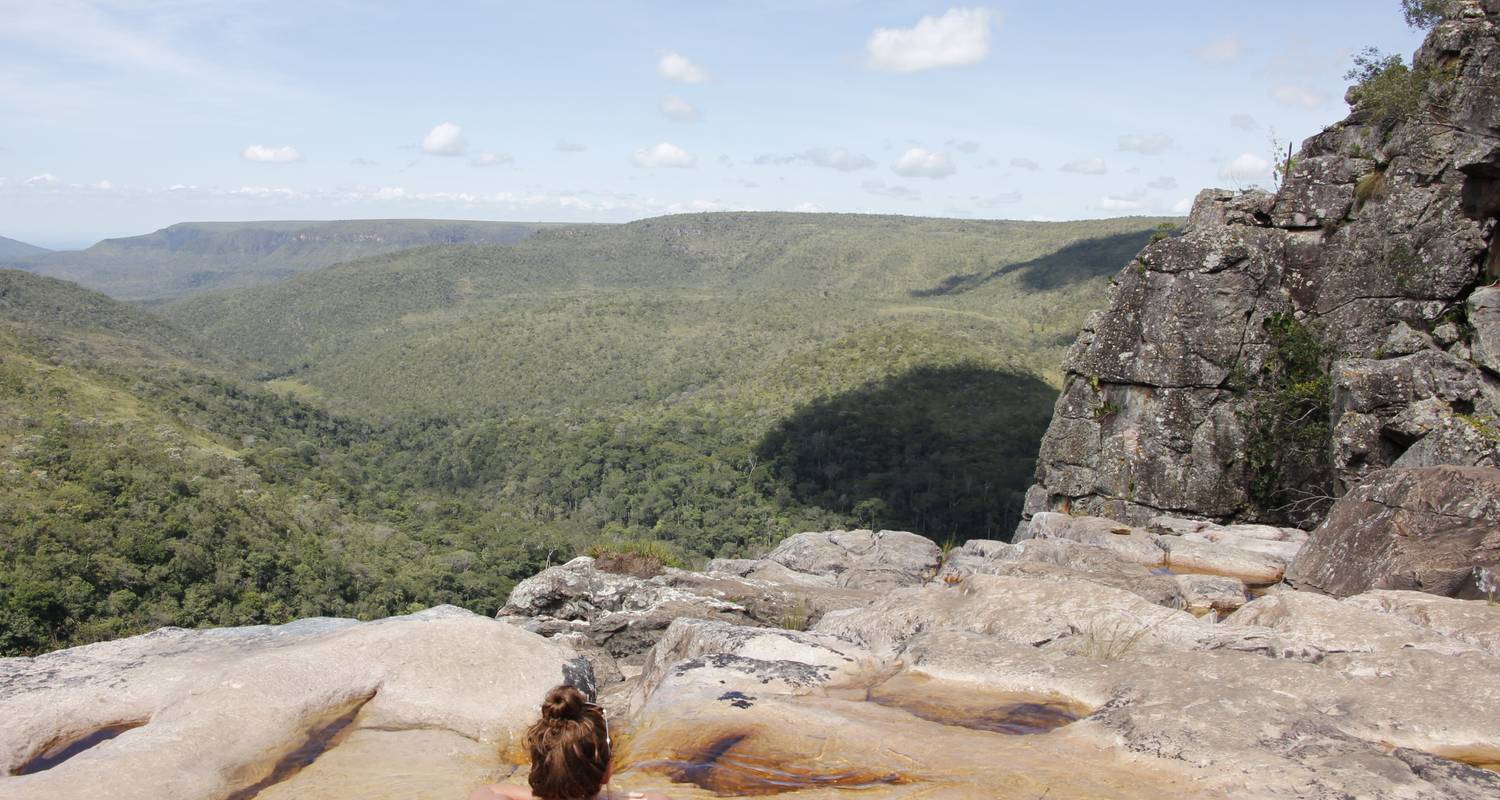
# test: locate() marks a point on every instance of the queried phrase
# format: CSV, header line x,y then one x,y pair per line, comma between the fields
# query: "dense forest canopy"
x,y
432,425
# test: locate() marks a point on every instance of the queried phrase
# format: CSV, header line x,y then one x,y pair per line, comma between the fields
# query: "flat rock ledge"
x,y
1092,659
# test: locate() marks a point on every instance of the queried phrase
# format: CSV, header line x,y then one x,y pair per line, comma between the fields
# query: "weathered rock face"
x,y
1432,529
1153,414
211,713
1062,666
1020,672
619,617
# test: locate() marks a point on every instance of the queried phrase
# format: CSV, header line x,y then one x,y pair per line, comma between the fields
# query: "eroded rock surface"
x,y
1050,667
214,712
1432,529
1021,672
806,576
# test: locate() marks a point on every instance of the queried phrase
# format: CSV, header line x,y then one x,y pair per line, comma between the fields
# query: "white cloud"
x,y
828,157
44,179
676,67
996,200
569,147
1246,167
957,38
964,146
1150,144
1086,166
491,159
678,109
664,154
1221,51
271,155
1300,96
1183,206
1025,163
1165,183
898,192
918,162
1113,203
1244,122
363,162
446,139
806,208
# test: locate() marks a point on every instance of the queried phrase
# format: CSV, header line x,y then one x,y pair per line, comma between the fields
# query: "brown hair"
x,y
569,747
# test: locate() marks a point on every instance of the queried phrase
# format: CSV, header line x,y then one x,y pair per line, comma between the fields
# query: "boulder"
x,y
211,713
1484,316
1124,542
1211,593
1189,555
1343,626
1430,529
806,576
1281,543
861,559
1061,558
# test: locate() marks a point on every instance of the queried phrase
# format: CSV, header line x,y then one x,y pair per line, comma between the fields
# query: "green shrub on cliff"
x,y
1385,89
1288,423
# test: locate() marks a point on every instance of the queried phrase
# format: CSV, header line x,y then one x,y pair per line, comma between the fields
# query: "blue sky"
x,y
122,116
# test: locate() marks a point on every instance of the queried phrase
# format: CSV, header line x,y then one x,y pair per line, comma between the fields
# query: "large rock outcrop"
x,y
1432,529
1374,249
1066,666
615,618
1020,671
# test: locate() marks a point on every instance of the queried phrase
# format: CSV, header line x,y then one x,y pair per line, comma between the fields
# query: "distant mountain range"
x,y
10,248
195,257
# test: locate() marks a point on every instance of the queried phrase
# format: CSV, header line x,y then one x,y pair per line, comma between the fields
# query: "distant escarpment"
x,y
1287,345
192,258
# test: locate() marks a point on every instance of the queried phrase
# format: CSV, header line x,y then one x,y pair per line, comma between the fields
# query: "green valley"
x,y
431,425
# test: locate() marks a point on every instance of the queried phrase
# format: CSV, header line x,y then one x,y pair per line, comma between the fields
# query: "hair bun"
x,y
563,702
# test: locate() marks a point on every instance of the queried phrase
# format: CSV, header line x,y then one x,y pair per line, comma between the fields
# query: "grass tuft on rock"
x,y
645,558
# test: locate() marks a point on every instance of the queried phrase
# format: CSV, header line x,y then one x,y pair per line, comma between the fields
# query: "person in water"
x,y
570,755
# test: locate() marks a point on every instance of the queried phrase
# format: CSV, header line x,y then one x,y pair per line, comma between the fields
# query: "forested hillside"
x,y
704,379
431,425
590,317
144,487
194,257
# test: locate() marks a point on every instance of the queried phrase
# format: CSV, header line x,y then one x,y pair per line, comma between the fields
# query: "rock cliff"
x,y
1286,345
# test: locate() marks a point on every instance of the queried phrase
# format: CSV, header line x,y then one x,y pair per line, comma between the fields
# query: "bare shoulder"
x,y
501,791
637,796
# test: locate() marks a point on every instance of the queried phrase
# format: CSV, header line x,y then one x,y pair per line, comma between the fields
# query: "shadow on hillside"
x,y
1079,261
945,452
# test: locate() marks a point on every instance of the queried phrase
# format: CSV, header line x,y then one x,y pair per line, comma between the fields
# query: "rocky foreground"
x,y
1088,659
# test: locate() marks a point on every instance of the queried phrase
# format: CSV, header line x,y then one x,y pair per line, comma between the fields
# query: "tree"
x,y
1424,14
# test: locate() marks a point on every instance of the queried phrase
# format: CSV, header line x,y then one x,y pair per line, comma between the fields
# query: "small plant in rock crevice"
x,y
1109,641
1369,187
797,617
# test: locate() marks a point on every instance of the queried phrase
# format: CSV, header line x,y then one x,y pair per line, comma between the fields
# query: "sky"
x,y
119,117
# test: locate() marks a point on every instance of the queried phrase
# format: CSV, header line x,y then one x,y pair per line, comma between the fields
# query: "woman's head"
x,y
569,747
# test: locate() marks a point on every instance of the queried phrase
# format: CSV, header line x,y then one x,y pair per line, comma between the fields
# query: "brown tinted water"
x,y
324,734
1475,756
62,751
969,707
753,759
727,767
